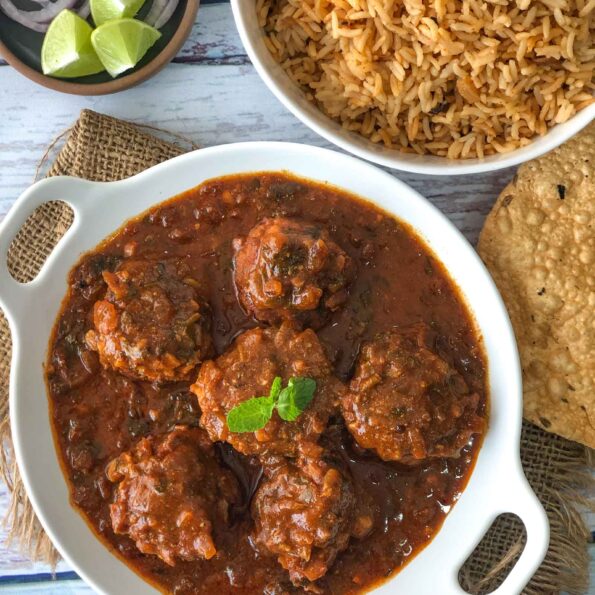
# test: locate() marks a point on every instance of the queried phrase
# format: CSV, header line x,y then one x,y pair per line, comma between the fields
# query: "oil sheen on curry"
x,y
265,385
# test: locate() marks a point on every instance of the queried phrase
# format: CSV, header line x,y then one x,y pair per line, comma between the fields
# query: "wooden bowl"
x,y
21,48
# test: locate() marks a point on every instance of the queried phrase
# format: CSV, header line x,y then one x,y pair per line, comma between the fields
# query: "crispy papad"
x,y
539,244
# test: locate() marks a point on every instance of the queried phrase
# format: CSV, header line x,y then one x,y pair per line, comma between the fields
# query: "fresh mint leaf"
x,y
303,390
275,388
251,415
294,399
286,406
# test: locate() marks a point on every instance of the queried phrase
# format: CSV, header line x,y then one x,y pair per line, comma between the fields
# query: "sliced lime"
x,y
67,51
109,10
122,43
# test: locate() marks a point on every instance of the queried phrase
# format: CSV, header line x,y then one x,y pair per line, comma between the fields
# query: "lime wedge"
x,y
67,51
109,10
122,43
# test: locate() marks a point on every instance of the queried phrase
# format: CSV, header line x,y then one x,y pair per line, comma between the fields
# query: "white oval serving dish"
x,y
287,92
496,485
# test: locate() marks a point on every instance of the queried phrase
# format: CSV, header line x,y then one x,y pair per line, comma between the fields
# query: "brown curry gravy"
x,y
98,413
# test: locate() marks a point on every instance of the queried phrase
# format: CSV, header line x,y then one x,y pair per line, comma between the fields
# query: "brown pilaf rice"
x,y
456,78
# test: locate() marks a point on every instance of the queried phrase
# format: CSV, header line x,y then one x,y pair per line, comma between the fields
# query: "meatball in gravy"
x,y
304,515
406,402
152,324
247,369
171,494
290,270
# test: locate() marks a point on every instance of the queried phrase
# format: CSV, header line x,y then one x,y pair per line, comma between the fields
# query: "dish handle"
x,y
72,191
524,503
514,496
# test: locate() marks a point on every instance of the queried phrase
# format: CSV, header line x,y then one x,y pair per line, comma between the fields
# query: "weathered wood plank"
x,y
214,39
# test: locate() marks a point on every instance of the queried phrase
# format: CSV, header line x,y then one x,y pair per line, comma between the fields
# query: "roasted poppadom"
x,y
539,244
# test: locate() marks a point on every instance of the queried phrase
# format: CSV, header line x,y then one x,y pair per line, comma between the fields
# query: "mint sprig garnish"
x,y
295,397
291,401
251,415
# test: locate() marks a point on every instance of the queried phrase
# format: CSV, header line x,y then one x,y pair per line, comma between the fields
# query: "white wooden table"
x,y
211,94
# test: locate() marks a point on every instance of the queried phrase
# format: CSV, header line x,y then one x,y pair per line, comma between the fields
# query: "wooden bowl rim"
x,y
119,84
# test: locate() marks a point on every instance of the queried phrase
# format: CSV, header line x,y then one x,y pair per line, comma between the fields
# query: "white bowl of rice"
x,y
429,86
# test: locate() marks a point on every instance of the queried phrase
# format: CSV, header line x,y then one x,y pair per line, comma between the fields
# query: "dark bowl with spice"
x,y
21,46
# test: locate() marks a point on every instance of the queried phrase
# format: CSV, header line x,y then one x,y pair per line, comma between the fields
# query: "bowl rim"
x,y
497,483
118,84
291,97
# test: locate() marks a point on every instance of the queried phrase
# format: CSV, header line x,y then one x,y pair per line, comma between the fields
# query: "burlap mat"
x,y
102,148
